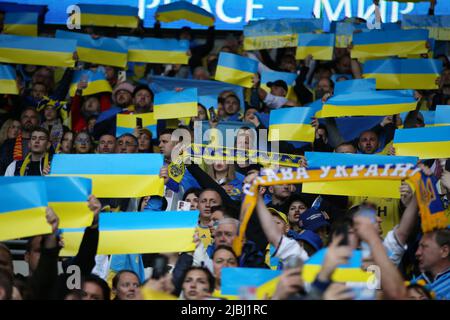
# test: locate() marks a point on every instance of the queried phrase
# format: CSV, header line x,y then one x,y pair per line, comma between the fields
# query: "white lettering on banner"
x,y
402,168
204,4
386,169
246,189
356,170
222,16
372,171
74,20
302,173
340,172
343,4
249,9
325,171
287,173
271,175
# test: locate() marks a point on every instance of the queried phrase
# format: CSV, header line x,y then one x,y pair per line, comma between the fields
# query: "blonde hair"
x,y
4,130
231,175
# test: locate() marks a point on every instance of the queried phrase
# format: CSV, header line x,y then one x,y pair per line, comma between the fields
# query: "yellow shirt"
x,y
388,210
205,235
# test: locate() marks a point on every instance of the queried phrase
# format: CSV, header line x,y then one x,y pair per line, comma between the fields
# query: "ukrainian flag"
x,y
107,51
139,232
68,196
359,187
368,103
439,26
442,116
174,105
126,123
22,208
292,124
236,69
114,175
155,50
96,82
349,86
37,51
272,76
389,43
108,16
233,279
320,46
404,73
21,23
425,143
350,272
183,10
8,84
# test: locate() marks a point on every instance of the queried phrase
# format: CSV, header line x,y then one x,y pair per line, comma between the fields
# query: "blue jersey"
x,y
440,286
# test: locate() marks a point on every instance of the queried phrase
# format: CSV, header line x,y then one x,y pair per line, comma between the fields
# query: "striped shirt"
x,y
440,285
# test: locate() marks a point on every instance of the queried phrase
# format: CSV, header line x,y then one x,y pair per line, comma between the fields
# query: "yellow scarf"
x,y
27,161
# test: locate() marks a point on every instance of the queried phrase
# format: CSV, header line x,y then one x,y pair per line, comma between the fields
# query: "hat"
x,y
312,219
278,83
309,237
123,86
278,213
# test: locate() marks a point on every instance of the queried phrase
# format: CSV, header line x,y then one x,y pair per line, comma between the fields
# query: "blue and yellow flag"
x,y
404,73
320,46
389,43
139,232
277,33
114,175
104,50
351,272
272,76
371,188
442,115
183,10
174,105
22,208
439,26
126,123
235,279
108,16
292,124
425,143
368,103
68,196
8,84
356,85
156,50
96,82
236,69
37,51
21,23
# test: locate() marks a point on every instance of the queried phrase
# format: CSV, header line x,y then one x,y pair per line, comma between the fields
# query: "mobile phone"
x,y
160,267
293,262
342,229
212,114
183,206
122,76
139,122
447,165
317,202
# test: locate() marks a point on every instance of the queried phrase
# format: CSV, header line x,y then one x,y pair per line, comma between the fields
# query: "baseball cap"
x,y
312,219
308,236
278,213
278,83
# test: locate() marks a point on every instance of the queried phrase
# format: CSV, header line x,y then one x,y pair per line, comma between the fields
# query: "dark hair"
x,y
4,247
344,144
116,279
40,83
20,283
442,237
227,248
143,87
222,208
129,135
166,131
424,290
101,283
40,129
6,282
209,275
76,292
195,191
